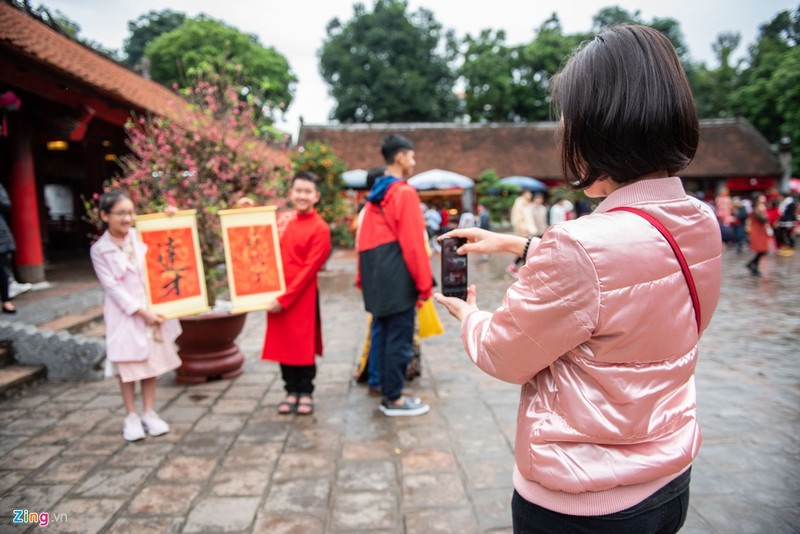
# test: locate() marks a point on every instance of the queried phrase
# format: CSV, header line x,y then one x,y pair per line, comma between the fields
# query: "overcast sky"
x,y
296,29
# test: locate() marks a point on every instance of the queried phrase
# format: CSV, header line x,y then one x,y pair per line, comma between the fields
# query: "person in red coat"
x,y
759,233
294,329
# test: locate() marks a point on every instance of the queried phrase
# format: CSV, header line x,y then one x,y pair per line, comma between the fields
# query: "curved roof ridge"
x,y
40,43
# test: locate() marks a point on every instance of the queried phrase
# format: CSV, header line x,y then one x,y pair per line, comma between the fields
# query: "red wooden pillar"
x,y
25,205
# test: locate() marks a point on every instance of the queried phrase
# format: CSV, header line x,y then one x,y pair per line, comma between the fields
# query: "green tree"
x,y
613,15
506,83
537,62
671,28
768,95
786,84
498,198
388,65
487,70
142,31
712,87
240,57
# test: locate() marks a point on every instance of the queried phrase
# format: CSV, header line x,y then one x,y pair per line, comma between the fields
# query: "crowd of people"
x,y
767,222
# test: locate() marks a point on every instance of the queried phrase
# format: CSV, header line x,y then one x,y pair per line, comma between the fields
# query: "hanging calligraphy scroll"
x,y
174,275
252,257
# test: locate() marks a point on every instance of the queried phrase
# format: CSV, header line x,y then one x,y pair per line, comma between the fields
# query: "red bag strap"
x,y
687,274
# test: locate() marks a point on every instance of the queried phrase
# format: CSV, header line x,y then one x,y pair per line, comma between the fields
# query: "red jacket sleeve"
x,y
409,227
320,244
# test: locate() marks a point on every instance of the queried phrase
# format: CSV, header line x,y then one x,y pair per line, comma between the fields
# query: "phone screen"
x,y
454,268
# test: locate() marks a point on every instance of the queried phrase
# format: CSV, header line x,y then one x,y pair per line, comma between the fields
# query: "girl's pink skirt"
x,y
161,359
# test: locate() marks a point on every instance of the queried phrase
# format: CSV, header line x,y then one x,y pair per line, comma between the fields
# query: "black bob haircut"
x,y
110,198
394,144
308,176
626,108
107,202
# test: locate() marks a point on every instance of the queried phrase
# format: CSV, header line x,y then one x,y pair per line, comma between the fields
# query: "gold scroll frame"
x,y
252,257
173,251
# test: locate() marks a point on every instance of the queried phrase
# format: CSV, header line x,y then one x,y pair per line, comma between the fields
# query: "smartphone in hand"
x,y
454,268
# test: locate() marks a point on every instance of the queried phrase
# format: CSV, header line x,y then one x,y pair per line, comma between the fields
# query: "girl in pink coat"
x,y
139,343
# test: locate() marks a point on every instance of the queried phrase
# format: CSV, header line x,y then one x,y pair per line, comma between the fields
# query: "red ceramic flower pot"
x,y
207,347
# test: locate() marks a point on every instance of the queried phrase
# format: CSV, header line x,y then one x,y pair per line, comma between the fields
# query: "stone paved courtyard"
x,y
232,464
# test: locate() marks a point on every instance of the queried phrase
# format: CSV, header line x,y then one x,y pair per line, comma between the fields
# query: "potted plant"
x,y
204,157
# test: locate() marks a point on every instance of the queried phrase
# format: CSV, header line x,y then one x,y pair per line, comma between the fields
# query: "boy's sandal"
x,y
288,406
305,406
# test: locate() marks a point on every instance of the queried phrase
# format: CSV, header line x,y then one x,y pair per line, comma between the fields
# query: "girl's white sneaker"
x,y
154,425
132,429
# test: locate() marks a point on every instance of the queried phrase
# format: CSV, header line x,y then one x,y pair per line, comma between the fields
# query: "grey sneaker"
x,y
410,406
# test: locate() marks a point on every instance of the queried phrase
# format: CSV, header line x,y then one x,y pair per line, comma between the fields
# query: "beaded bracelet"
x,y
527,246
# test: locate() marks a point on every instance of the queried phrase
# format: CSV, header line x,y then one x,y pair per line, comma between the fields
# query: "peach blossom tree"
x,y
204,157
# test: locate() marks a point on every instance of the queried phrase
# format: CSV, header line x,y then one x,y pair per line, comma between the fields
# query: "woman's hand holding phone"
x,y
486,242
454,268
458,308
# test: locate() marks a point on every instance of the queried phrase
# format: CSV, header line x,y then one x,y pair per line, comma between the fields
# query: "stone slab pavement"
x,y
232,464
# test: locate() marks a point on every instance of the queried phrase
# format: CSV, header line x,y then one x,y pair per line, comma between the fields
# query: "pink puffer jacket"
x,y
601,333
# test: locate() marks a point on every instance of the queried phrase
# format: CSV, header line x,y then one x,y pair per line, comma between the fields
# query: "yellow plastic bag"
x,y
429,323
360,374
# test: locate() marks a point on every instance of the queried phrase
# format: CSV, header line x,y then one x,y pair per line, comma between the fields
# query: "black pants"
x,y
299,379
5,266
664,512
394,338
753,264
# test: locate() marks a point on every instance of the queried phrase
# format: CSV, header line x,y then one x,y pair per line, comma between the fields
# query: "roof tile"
x,y
42,44
728,147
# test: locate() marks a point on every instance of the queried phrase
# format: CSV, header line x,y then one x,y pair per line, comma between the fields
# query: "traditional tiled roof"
x,y
732,147
728,147
36,41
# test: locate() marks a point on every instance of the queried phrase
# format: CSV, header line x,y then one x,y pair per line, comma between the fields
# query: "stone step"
x,y
15,378
75,323
97,330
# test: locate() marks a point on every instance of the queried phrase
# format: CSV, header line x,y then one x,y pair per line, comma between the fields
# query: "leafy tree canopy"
x,y
538,62
511,83
261,70
388,65
711,86
488,70
767,92
145,29
671,28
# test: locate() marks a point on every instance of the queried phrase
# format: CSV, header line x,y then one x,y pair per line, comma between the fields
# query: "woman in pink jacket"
x,y
601,328
139,343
